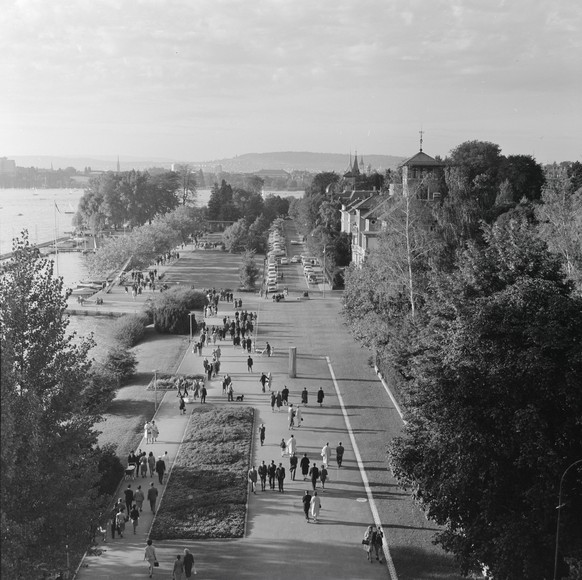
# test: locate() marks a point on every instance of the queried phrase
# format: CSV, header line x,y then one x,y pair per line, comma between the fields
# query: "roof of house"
x,y
421,159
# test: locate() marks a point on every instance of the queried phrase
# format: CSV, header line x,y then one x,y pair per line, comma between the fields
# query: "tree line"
x,y
473,307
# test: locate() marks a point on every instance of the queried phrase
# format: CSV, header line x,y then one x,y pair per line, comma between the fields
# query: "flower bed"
x,y
207,492
168,382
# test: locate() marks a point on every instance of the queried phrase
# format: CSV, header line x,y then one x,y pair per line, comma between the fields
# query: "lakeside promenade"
x,y
278,542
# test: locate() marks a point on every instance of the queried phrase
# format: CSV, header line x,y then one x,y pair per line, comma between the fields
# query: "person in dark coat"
x,y
304,396
272,470
280,473
304,466
293,465
320,396
314,473
203,393
306,503
128,498
160,469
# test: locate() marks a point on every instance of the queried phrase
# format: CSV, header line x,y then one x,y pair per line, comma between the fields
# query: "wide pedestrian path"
x,y
278,543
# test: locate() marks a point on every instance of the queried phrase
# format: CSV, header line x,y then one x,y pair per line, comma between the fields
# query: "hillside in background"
x,y
247,163
301,161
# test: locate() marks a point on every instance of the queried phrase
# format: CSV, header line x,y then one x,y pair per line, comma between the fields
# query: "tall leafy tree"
x,y
494,406
48,453
187,181
249,271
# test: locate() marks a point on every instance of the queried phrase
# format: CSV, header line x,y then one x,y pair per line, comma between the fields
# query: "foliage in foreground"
x,y
207,492
49,454
494,407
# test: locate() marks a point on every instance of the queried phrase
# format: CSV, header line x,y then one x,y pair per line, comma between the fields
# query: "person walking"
x,y
272,470
293,465
153,497
143,465
304,464
339,454
148,432
291,445
230,392
268,349
315,506
291,416
151,463
188,563
263,475
298,417
326,454
178,568
262,430
128,497
250,364
120,522
182,406
138,497
283,447
323,476
155,432
304,396
320,396
203,393
134,517
280,477
253,475
150,556
376,543
314,474
263,381
160,469
285,395
279,401
273,400
306,504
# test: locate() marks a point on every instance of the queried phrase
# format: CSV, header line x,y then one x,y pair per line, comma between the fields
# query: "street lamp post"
x,y
155,391
190,315
324,274
559,508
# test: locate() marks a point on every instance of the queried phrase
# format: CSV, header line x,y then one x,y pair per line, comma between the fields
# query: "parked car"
x,y
284,261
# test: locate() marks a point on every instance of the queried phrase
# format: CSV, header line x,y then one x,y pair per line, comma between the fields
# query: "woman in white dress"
x,y
315,506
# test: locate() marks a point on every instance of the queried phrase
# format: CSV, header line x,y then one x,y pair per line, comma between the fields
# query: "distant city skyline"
x,y
204,80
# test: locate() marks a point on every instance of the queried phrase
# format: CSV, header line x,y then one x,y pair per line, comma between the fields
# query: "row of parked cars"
x,y
277,253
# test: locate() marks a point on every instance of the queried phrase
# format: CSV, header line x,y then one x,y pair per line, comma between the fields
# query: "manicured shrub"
x,y
130,328
99,389
170,310
121,362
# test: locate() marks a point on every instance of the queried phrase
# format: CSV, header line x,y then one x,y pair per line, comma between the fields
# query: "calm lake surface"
x,y
34,210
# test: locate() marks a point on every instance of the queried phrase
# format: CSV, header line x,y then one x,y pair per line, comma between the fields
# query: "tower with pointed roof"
x,y
419,174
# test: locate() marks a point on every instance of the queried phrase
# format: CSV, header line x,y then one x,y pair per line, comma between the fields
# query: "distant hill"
x,y
247,163
300,161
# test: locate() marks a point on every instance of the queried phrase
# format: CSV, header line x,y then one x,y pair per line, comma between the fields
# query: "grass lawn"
x,y
207,492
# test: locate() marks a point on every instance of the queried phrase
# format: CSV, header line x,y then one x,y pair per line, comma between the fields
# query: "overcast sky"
x,y
196,80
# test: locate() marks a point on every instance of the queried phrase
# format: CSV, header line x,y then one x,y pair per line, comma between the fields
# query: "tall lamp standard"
x,y
324,273
155,390
190,315
559,508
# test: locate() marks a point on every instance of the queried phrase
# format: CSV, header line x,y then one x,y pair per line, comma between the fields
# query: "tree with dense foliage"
x,y
249,271
49,454
221,203
170,309
494,406
560,222
187,180
133,197
235,236
275,206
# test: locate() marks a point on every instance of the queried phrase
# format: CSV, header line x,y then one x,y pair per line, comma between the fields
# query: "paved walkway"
x,y
279,543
